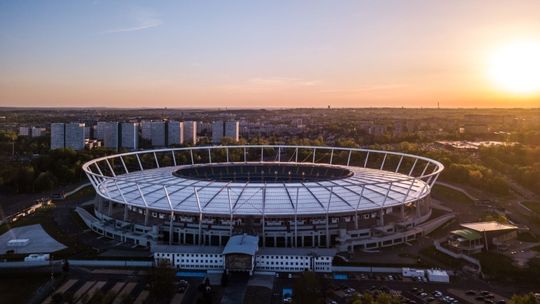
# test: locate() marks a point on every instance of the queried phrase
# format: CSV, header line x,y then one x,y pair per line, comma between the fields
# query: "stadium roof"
x,y
242,244
488,226
298,251
186,249
467,234
366,189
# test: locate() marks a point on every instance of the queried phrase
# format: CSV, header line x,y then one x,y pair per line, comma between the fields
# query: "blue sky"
x,y
255,53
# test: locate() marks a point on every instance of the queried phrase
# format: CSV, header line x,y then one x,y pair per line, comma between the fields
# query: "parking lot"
x,y
410,291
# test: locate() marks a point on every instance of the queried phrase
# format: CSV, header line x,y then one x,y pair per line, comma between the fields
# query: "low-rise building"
x,y
478,236
242,254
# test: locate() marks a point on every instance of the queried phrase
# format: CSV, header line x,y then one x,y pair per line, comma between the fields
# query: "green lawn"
x,y
499,267
87,192
442,258
446,194
533,205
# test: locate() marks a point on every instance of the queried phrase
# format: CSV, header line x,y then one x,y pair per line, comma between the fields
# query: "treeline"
x,y
521,163
461,167
45,172
477,176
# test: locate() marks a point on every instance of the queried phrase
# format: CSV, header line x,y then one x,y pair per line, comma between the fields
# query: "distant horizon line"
x,y
252,108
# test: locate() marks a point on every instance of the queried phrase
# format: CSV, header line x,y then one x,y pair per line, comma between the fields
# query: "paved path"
x,y
125,292
177,298
235,292
142,297
83,289
67,285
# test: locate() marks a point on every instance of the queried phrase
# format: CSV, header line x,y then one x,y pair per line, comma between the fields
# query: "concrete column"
x,y
302,240
417,204
110,208
327,230
146,215
171,229
125,213
275,241
263,232
402,212
200,229
312,240
381,217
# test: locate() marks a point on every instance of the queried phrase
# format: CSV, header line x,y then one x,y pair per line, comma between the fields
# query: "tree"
x,y
307,289
528,298
8,136
375,298
162,279
44,182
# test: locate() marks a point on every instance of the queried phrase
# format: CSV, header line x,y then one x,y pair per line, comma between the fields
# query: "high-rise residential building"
x,y
158,134
220,129
88,132
37,132
232,130
24,131
74,136
175,133
58,133
130,135
100,130
146,130
190,132
69,135
111,135
217,131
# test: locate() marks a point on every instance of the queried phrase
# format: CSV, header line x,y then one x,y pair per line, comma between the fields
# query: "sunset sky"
x,y
264,53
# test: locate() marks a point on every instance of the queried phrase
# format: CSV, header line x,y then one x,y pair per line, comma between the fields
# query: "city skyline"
x,y
243,54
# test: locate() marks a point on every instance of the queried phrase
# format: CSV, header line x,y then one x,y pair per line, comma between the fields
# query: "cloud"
x,y
369,88
143,19
280,81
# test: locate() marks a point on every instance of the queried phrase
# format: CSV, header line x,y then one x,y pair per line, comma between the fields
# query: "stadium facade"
x,y
287,196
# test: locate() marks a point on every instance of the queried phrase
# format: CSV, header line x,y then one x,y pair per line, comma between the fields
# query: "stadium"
x,y
287,196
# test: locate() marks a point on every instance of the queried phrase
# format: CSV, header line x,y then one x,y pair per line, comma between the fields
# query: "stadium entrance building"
x,y
242,254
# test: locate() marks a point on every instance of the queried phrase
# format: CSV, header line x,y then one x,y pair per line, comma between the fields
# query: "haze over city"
x,y
270,54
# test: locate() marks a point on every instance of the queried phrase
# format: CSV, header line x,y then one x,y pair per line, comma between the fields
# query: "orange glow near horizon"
x,y
267,54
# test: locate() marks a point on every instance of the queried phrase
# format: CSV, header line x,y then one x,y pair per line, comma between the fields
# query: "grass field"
x,y
85,193
533,205
442,258
446,194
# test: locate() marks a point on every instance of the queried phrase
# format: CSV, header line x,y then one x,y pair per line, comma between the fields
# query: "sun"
x,y
515,67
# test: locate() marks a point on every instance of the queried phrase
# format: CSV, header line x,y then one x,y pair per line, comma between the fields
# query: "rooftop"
x,y
186,249
297,251
467,234
488,226
375,187
243,244
39,240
